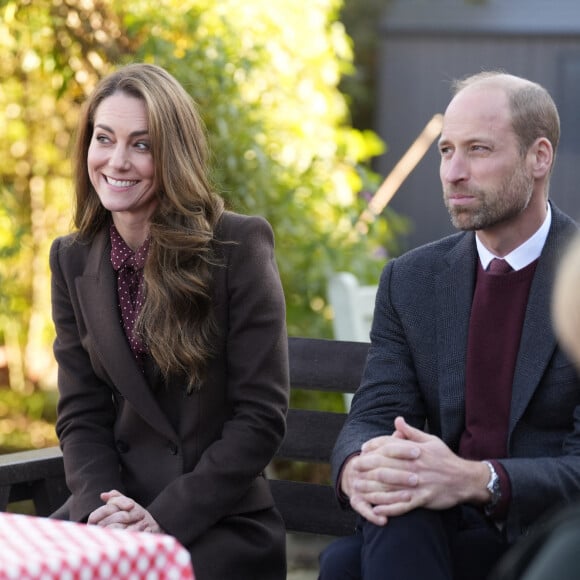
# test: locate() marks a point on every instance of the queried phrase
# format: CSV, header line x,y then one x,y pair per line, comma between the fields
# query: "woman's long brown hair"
x,y
176,320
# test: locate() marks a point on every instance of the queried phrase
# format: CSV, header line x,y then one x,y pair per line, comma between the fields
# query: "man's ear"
x,y
541,157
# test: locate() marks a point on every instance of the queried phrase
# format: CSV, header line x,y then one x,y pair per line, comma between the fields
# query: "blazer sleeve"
x,y
86,412
257,388
544,463
389,385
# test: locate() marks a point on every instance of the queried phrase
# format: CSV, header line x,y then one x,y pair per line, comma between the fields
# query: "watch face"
x,y
494,489
493,485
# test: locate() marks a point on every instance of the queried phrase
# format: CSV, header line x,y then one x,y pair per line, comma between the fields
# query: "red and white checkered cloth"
x,y
34,548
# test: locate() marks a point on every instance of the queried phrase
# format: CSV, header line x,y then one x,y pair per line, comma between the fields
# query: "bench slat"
x,y
317,512
36,474
30,465
326,365
311,435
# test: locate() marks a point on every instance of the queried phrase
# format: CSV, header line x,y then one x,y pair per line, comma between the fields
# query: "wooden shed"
x,y
424,44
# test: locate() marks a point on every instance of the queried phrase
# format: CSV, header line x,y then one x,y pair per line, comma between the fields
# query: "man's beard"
x,y
498,205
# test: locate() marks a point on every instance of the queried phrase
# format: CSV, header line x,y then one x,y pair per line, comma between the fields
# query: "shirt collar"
x,y
524,254
122,254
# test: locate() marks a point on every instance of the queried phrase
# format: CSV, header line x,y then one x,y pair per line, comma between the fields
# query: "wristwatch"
x,y
494,489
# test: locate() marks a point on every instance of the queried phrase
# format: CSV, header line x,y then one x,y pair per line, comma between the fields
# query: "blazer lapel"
x,y
97,293
454,294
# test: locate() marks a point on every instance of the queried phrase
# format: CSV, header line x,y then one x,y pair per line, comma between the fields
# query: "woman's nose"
x,y
119,158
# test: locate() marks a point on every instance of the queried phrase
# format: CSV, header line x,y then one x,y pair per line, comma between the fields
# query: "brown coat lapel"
x,y
97,296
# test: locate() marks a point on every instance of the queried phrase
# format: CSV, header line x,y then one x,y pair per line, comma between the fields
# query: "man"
x,y
466,426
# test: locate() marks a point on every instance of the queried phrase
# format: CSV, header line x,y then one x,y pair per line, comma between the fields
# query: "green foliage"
x,y
40,88
265,75
26,421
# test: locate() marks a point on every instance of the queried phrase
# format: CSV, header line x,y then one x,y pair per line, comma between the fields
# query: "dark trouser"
x,y
456,544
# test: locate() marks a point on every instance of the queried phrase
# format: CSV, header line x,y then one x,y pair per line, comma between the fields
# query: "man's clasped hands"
x,y
410,469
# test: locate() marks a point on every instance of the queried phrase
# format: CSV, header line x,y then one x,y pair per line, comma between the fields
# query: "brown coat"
x,y
194,461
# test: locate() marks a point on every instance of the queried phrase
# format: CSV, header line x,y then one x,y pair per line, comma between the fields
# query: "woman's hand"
x,y
122,512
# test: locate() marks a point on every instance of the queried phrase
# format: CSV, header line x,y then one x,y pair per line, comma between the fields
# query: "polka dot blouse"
x,y
129,267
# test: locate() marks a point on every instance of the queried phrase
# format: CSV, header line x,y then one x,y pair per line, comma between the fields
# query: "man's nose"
x,y
454,168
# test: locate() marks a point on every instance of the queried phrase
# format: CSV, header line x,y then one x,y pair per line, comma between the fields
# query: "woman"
x,y
170,337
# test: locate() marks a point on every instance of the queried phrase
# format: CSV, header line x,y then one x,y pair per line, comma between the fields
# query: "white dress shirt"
x,y
524,254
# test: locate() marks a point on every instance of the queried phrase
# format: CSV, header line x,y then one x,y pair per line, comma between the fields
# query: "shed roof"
x,y
509,17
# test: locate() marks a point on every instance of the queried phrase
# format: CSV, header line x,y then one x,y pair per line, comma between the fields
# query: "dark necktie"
x,y
499,266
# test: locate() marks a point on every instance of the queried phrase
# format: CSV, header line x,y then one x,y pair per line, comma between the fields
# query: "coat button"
x,y
173,449
122,446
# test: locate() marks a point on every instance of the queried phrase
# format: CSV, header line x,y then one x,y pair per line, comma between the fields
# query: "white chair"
x,y
353,306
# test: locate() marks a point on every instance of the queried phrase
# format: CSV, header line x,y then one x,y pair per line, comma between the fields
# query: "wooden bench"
x,y
315,364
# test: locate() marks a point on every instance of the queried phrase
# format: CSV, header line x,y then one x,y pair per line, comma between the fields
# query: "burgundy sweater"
x,y
495,328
